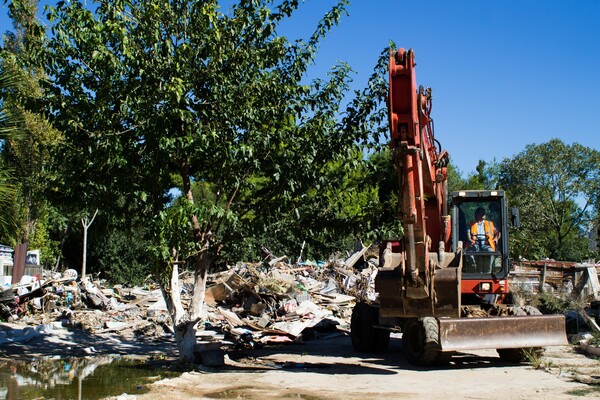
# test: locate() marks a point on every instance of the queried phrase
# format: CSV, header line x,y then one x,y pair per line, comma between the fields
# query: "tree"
x,y
485,177
121,254
455,179
158,94
27,154
86,222
8,130
557,187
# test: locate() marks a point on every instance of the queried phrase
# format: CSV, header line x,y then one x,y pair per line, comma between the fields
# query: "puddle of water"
x,y
249,392
77,378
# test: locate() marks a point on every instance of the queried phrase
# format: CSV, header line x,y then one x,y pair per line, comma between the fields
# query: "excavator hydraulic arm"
x,y
422,173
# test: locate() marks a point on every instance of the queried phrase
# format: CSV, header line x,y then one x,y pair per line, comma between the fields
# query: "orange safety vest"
x,y
488,227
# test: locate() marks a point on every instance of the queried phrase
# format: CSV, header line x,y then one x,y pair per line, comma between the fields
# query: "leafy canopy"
x,y
155,95
557,187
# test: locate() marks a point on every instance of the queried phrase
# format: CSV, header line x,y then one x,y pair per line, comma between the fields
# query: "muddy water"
x,y
77,378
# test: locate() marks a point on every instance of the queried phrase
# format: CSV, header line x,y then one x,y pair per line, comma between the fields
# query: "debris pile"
x,y
248,304
278,302
82,304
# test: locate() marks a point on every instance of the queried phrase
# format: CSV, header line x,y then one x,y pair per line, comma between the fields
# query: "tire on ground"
x,y
366,338
420,341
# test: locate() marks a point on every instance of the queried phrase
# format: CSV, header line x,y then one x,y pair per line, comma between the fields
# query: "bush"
x,y
548,303
123,257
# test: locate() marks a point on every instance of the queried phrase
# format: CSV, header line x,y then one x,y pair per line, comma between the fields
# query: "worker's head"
x,y
479,213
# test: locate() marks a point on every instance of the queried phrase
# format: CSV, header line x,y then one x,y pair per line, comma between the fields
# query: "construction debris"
x,y
247,305
559,277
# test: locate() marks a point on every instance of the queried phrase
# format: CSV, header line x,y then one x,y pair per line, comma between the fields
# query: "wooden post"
x,y
543,280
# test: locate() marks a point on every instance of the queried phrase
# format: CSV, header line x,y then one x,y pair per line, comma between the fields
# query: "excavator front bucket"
x,y
457,334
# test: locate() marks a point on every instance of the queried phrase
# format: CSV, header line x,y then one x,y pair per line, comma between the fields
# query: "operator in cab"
x,y
483,235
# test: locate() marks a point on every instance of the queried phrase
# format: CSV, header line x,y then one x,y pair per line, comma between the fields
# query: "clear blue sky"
x,y
504,74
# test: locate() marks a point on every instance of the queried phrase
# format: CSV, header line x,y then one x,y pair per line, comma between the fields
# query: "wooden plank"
x,y
593,283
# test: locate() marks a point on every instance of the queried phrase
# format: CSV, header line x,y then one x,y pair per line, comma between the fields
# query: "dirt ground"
x,y
328,368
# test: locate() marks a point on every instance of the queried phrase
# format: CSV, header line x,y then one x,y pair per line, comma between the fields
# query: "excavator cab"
x,y
480,225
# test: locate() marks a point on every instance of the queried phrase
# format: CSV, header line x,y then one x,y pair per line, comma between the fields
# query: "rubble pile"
x,y
279,302
81,304
273,301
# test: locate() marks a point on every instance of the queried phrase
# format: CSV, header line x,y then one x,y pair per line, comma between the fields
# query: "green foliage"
x,y
548,303
159,94
28,154
359,202
556,186
485,177
7,193
380,220
42,238
8,130
455,180
122,257
162,94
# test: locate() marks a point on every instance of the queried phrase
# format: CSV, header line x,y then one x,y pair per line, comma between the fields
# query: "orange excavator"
x,y
444,283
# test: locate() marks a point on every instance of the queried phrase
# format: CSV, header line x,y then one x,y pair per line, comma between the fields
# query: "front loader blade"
x,y
458,334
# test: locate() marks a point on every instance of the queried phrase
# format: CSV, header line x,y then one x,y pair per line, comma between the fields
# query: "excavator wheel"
x,y
421,341
520,355
365,337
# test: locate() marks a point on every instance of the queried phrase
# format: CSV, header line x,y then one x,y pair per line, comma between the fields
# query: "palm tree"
x,y
8,130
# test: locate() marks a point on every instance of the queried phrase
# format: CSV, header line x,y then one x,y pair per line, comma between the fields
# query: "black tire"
x,y
382,340
366,338
421,341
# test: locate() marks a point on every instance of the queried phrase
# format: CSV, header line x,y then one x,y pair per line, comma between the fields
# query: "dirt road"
x,y
328,368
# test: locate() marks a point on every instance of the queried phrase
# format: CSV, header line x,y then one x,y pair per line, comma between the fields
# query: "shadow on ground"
x,y
329,354
334,354
82,343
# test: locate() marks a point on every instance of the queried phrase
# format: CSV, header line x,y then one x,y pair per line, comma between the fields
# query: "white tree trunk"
x,y
86,224
184,321
185,336
178,314
84,257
